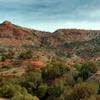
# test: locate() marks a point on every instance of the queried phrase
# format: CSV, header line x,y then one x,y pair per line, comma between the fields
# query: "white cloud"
x,y
52,14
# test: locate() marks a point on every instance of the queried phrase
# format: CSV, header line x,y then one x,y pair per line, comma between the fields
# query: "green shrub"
x,y
31,80
5,68
57,88
69,80
26,55
82,91
8,90
26,96
42,90
51,98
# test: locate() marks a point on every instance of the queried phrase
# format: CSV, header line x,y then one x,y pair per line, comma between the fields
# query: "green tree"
x,y
54,70
87,70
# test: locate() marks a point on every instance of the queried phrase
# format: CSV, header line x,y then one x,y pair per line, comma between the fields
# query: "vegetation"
x,y
54,82
86,70
54,70
26,55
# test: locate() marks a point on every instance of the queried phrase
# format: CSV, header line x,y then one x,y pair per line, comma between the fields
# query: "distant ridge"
x,y
60,42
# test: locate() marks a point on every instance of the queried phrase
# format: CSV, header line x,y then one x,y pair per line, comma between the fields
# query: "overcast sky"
x,y
50,15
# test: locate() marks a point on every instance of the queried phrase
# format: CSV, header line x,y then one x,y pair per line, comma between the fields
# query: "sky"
x,y
50,15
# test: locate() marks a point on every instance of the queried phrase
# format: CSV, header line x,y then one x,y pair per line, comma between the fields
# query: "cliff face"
x,y
62,36
9,30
